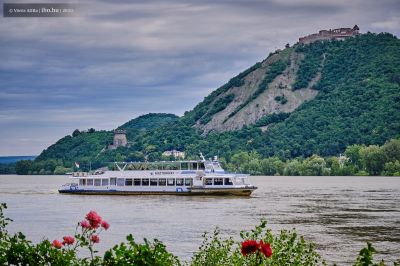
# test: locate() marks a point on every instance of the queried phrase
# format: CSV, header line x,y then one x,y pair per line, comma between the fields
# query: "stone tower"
x,y
119,139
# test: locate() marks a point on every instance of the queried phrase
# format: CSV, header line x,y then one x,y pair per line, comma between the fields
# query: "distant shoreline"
x,y
14,159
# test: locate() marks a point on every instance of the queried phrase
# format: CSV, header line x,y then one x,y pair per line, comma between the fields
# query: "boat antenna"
x,y
202,157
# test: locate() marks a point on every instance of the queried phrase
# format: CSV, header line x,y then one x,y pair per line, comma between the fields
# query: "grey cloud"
x,y
121,58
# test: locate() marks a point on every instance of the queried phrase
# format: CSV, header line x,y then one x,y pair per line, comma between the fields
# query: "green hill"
x,y
304,100
150,121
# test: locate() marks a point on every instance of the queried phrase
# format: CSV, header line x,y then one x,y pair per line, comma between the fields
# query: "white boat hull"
x,y
194,191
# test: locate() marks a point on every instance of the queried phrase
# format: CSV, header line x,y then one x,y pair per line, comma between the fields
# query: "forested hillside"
x,y
150,121
355,89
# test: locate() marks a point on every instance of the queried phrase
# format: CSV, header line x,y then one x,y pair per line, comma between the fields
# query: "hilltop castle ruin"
x,y
119,139
335,34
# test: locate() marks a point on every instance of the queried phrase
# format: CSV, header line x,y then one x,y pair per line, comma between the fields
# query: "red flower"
x,y
85,224
94,219
105,225
249,246
68,240
95,238
265,249
57,244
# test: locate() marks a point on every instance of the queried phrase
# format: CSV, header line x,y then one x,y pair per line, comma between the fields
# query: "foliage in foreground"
x,y
288,249
256,247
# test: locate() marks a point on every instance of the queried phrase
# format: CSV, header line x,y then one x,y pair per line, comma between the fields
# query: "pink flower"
x,y
95,238
265,249
94,219
249,246
85,224
68,240
105,225
57,244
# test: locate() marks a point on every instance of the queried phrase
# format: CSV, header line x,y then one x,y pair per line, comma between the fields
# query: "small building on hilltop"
x,y
332,34
119,139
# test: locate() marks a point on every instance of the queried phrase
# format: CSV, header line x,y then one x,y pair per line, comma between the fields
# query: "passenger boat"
x,y
202,177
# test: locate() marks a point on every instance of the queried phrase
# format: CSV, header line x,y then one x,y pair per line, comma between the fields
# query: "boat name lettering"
x,y
163,173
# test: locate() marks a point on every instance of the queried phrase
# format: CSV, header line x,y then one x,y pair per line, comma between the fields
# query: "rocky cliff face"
x,y
278,96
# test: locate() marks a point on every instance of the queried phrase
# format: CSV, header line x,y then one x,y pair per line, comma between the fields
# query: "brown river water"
x,y
339,214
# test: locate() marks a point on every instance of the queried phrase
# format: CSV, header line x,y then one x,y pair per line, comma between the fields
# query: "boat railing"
x,y
191,165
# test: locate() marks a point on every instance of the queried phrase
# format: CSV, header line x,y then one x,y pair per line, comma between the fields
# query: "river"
x,y
339,214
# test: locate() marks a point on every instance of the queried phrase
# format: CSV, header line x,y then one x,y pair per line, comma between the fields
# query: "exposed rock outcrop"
x,y
266,102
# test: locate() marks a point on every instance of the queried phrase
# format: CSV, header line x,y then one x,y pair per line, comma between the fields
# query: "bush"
x,y
140,254
256,247
287,249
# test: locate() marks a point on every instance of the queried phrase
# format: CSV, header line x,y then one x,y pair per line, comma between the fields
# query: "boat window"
x,y
162,182
81,182
188,182
179,181
209,166
153,182
193,166
239,181
171,182
113,181
228,182
209,181
218,181
185,166
145,182
136,182
201,166
120,182
90,182
97,182
128,182
104,182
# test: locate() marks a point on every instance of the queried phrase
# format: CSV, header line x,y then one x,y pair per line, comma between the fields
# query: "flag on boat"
x,y
77,164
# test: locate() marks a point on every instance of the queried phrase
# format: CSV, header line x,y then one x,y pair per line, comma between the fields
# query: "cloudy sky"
x,y
120,59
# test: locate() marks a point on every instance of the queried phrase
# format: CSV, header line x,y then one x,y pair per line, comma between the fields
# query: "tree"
x,y
60,170
240,158
353,153
293,167
23,167
392,169
314,165
392,150
136,156
76,133
373,159
271,166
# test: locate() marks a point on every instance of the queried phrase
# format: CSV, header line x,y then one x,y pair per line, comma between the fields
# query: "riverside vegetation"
x,y
256,247
356,103
357,160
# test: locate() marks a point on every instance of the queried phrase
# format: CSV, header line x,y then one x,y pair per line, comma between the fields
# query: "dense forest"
x,y
357,105
357,160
